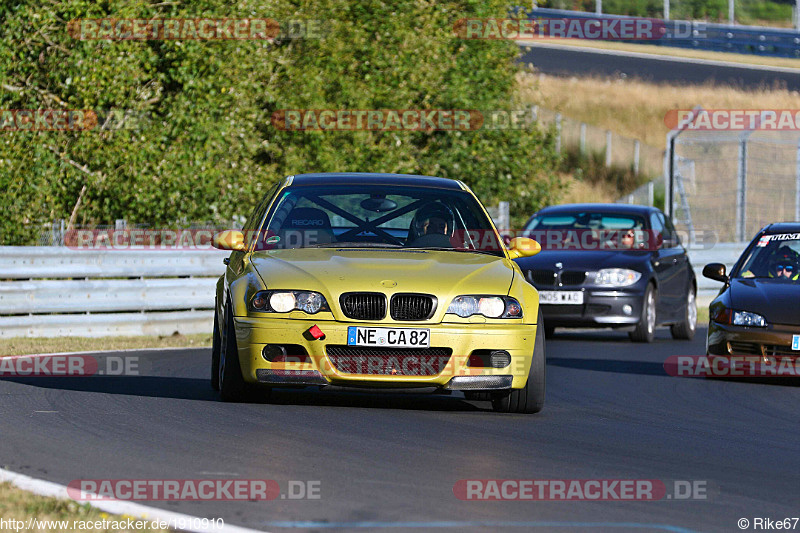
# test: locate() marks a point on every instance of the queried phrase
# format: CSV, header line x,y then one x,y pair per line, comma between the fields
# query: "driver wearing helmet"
x,y
784,265
433,225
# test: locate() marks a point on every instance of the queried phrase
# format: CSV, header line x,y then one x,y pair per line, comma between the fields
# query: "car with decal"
x,y
379,281
757,311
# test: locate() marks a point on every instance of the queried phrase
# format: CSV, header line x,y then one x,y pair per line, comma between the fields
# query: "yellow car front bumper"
x,y
461,339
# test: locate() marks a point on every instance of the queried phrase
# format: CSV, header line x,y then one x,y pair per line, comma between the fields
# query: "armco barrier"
x,y
740,39
102,293
50,291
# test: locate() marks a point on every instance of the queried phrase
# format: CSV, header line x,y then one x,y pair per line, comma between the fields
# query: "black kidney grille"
x,y
363,305
412,306
572,278
542,278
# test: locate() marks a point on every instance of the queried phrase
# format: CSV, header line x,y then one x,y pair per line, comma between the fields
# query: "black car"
x,y
757,311
611,265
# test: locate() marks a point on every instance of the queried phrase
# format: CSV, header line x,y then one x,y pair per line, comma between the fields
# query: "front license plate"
x,y
795,342
393,337
561,297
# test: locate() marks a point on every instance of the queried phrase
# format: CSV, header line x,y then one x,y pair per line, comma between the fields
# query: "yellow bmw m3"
x,y
378,281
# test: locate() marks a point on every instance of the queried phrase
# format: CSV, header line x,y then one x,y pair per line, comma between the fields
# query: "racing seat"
x,y
305,226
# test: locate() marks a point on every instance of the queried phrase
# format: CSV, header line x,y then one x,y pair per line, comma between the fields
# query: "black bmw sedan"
x,y
757,311
611,265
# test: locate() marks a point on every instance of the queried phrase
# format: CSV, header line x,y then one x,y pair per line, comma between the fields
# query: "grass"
x,y
16,504
25,346
635,108
746,59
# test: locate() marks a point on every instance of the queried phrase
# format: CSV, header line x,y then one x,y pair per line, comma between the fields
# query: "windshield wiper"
x,y
443,249
349,244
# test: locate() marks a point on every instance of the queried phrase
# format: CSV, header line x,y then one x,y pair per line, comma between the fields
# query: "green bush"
x,y
206,150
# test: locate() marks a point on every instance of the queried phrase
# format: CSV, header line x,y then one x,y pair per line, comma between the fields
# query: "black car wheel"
x,y
215,347
646,327
688,326
232,386
530,398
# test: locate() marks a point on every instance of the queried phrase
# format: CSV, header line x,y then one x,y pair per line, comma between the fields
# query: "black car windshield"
x,y
775,257
592,230
359,216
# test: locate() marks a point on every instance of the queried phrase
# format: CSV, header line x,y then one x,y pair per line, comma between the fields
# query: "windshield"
x,y
774,257
374,217
586,230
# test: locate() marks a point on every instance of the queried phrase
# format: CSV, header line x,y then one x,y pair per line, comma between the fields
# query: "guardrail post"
x,y
666,9
558,132
651,193
741,192
583,137
636,149
608,148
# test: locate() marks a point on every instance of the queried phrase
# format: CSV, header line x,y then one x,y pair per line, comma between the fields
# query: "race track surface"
x,y
389,462
562,60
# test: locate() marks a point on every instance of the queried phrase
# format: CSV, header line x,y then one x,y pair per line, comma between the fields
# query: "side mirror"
x,y
229,240
523,247
715,271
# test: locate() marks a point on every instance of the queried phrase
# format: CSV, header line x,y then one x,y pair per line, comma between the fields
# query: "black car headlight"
x,y
488,306
285,301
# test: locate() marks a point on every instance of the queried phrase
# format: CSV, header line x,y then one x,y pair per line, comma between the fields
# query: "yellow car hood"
x,y
333,271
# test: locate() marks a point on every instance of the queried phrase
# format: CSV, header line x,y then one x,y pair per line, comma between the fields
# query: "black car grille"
x,y
363,305
571,277
548,278
412,306
744,348
774,349
542,278
388,361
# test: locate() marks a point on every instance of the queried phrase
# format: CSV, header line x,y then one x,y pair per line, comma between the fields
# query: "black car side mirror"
x,y
715,271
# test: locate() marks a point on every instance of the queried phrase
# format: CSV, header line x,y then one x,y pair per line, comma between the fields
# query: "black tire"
x,y
215,347
530,398
232,386
646,327
685,329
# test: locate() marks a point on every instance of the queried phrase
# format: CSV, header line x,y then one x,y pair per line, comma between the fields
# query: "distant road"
x,y
565,60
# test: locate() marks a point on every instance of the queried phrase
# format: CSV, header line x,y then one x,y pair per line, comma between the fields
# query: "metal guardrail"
x,y
86,298
757,40
57,291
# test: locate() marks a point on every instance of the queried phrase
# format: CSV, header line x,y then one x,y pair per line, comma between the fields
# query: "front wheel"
x,y
646,328
232,386
215,348
685,329
530,398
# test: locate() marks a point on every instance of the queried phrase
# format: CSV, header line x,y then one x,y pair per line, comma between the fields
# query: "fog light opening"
x,y
627,309
273,353
500,359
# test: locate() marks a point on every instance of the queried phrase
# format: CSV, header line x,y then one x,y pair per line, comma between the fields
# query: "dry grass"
x,y
580,191
16,504
635,108
24,346
747,59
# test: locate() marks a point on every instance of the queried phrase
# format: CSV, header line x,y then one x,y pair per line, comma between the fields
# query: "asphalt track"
x,y
389,462
563,60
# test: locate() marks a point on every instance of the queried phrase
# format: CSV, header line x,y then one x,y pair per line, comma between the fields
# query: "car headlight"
x,y
744,318
285,301
617,277
488,306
